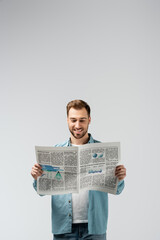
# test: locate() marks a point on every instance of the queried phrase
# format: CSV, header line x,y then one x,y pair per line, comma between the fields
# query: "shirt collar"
x,y
91,140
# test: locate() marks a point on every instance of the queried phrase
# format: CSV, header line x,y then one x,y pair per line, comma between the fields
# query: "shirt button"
x,y
69,201
69,215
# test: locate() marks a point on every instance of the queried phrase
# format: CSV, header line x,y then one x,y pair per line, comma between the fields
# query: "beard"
x,y
80,135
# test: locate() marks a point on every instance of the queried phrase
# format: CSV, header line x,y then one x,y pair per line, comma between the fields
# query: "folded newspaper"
x,y
75,168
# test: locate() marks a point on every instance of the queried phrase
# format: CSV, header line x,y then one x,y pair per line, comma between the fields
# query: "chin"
x,y
78,137
83,133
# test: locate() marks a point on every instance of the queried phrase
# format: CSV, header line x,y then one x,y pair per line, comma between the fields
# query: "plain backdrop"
x,y
104,52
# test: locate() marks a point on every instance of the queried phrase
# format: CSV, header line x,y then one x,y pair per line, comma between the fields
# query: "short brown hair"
x,y
78,104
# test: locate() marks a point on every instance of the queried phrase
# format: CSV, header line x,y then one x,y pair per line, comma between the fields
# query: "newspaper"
x,y
75,168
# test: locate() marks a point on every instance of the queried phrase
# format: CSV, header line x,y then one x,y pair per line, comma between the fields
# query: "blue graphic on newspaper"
x,y
96,155
95,171
51,169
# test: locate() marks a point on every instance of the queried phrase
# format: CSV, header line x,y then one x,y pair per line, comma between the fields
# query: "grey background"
x,y
104,52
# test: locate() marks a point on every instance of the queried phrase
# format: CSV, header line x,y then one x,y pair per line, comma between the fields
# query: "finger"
x,y
120,167
34,175
34,169
36,172
122,172
38,166
39,172
121,176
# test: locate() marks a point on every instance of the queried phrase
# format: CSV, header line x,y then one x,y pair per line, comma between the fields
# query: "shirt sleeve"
x,y
35,185
120,187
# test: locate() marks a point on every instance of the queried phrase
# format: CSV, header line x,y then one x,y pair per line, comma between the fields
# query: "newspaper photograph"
x,y
72,169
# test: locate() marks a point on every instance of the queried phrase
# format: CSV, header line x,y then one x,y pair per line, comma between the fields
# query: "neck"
x,y
80,141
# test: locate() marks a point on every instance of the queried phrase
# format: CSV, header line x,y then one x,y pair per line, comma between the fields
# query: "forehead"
x,y
77,113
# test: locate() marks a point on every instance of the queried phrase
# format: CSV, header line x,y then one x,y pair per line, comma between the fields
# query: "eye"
x,y
82,121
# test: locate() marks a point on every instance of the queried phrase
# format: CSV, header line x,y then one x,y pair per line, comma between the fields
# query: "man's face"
x,y
78,122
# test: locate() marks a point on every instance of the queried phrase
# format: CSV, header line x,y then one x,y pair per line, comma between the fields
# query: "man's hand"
x,y
120,172
36,171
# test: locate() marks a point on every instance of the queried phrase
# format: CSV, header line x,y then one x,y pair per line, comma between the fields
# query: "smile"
x,y
78,131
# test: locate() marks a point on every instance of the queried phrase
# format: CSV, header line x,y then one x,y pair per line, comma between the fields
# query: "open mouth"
x,y
78,131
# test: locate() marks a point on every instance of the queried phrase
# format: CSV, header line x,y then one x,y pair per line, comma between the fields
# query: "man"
x,y
83,215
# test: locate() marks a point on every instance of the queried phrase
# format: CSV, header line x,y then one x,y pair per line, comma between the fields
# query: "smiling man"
x,y
78,123
83,215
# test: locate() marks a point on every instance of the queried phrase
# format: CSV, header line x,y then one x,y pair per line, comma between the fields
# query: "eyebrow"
x,y
76,118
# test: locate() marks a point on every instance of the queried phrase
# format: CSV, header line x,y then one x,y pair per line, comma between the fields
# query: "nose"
x,y
77,124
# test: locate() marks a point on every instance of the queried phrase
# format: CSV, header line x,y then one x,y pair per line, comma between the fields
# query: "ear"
x,y
89,120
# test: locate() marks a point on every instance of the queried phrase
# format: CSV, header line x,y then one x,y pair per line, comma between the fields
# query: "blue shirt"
x,y
97,211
